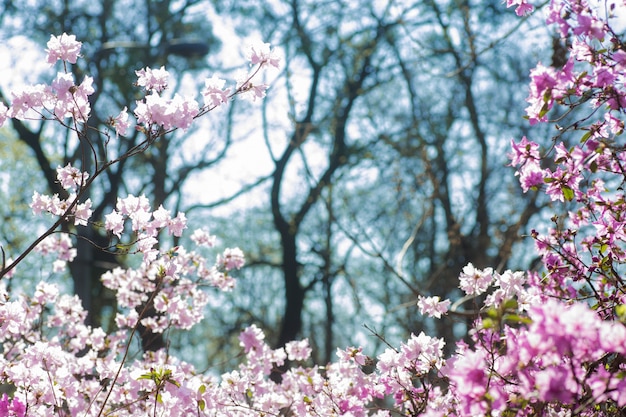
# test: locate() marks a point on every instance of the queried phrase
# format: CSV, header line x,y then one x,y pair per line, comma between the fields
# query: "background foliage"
x,y
372,174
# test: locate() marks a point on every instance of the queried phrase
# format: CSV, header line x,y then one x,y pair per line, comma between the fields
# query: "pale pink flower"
x,y
421,352
232,258
64,47
181,112
70,177
221,280
114,223
27,98
152,79
203,238
261,53
214,93
176,225
475,281
161,217
61,246
128,320
13,323
45,293
251,338
82,213
137,208
298,350
178,112
250,91
40,203
352,353
145,245
433,306
512,283
121,123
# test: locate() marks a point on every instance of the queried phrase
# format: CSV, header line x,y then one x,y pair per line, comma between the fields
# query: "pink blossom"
x,y
39,203
114,222
59,245
71,178
214,93
11,407
523,152
433,306
251,91
137,208
421,353
475,281
121,123
352,353
176,225
64,47
177,112
298,350
221,280
590,26
512,283
27,98
202,237
152,79
522,9
70,100
232,258
555,383
251,338
261,53
468,376
531,176
82,213
145,245
161,216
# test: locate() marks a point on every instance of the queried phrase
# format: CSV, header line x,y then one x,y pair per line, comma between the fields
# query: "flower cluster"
x,y
71,179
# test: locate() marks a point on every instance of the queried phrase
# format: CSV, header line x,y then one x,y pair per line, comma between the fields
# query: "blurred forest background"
x,y
373,172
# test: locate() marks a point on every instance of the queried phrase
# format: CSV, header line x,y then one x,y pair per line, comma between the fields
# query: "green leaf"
x,y
568,193
173,382
488,323
202,389
620,310
585,137
492,313
201,405
510,304
516,319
